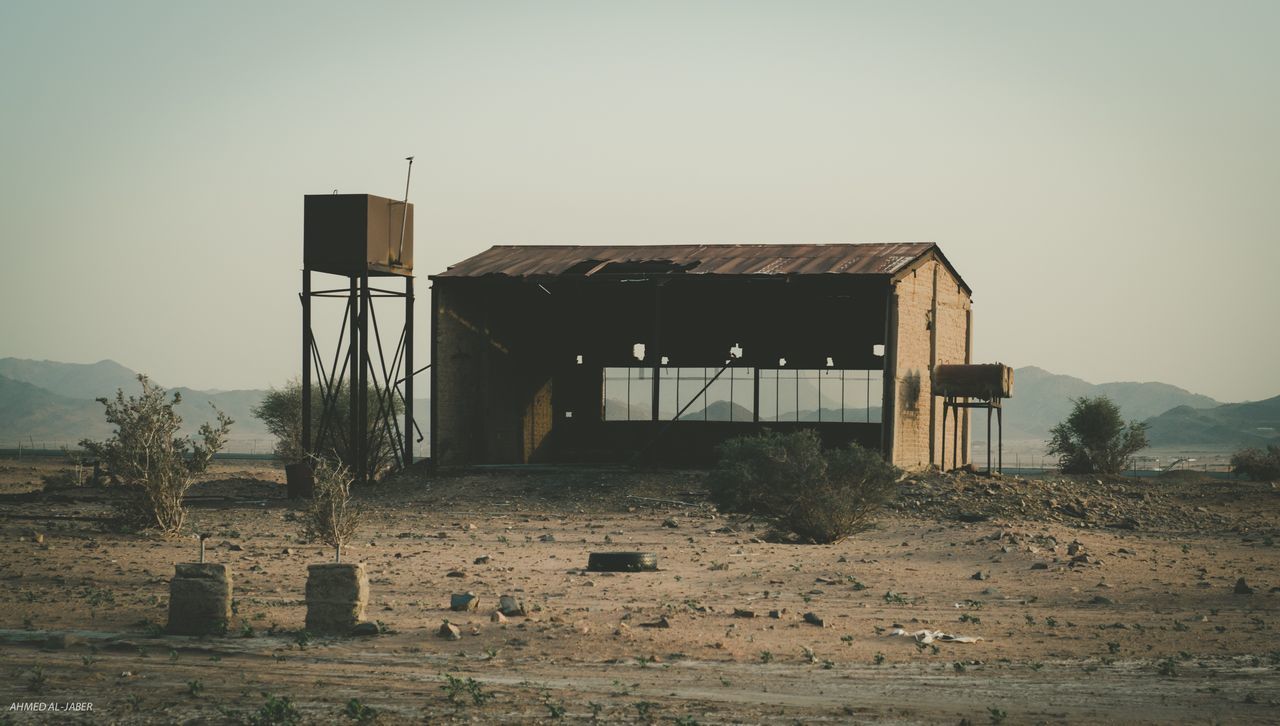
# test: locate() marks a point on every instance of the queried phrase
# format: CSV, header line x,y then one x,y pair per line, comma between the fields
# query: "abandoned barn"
x,y
658,353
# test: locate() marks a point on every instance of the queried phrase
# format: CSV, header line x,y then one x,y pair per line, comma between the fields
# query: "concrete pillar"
x,y
337,594
199,599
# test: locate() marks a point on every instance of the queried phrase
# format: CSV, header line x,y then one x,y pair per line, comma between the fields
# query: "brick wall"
x,y
917,414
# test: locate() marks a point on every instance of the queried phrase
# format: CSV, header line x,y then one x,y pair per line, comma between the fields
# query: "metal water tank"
x,y
355,234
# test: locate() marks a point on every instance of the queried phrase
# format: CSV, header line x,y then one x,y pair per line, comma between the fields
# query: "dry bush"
x,y
148,457
332,518
1257,464
281,411
818,496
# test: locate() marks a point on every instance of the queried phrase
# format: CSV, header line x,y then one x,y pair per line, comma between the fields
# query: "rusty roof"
x,y
534,261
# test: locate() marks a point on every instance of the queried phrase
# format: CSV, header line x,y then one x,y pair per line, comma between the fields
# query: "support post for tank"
x,y
408,367
1000,426
988,439
306,360
946,407
362,448
353,360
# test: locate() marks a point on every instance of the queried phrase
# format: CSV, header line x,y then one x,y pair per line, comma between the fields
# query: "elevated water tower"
x,y
364,238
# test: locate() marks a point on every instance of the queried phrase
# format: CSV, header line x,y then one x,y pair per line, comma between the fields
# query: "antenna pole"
x,y
404,215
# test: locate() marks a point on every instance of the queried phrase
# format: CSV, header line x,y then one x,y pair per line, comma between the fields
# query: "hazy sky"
x,y
1105,175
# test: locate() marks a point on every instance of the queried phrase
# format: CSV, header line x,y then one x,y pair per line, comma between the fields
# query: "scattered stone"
x,y
497,617
1100,600
661,622
842,558
1075,548
509,606
979,576
234,547
455,573
670,523
547,538
450,631
813,619
464,602
740,613
777,614
1040,566
34,536
287,551
1242,587
482,560
365,629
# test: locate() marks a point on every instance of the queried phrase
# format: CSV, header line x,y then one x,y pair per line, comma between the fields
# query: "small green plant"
x,y
458,690
766,656
1167,668
596,710
685,720
246,630
36,679
967,618
997,715
97,598
1051,621
195,688
277,711
958,667
1113,648
878,658
644,708
555,709
359,712
302,639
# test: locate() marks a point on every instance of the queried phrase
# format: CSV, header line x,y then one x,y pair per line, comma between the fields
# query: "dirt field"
x,y
1097,602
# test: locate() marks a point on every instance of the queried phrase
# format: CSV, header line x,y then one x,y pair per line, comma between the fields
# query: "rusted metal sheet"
x,y
585,261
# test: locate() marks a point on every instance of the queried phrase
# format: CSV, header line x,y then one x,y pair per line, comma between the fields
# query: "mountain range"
x,y
52,403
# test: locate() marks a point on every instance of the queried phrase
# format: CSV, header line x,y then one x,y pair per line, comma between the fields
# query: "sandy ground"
x,y
1145,628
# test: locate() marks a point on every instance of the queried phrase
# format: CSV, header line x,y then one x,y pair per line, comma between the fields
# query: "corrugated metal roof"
x,y
824,259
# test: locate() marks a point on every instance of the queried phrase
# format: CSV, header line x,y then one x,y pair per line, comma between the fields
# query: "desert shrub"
x,y
281,411
332,518
819,496
148,457
1257,464
1094,438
